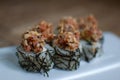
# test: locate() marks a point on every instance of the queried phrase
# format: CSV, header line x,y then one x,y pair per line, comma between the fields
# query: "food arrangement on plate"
x,y
76,39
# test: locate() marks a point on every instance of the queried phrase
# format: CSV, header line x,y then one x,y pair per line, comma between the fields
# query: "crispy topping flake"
x,y
32,41
89,29
67,24
67,41
46,29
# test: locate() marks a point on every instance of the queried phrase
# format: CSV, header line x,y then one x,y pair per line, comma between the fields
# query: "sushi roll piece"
x,y
67,53
46,29
91,38
32,54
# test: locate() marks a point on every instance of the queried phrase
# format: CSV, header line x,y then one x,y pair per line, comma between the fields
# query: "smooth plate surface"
x,y
106,67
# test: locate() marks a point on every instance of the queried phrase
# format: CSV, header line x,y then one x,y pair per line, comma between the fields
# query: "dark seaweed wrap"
x,y
32,62
89,51
67,60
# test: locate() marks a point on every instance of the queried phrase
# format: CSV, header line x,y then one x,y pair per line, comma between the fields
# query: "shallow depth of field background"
x,y
18,15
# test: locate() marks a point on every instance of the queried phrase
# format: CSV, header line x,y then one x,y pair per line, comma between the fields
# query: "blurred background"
x,y
18,15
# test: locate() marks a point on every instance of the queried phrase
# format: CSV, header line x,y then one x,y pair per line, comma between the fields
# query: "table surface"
x,y
18,15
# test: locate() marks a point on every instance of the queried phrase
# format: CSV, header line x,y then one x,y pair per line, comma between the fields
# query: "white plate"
x,y
106,67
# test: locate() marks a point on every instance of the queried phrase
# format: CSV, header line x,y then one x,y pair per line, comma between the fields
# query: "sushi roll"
x,y
67,27
32,54
91,38
46,29
67,52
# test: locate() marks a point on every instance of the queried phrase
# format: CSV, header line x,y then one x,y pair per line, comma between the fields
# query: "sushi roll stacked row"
x,y
41,50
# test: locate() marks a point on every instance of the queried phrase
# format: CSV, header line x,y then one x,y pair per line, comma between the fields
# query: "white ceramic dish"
x,y
106,67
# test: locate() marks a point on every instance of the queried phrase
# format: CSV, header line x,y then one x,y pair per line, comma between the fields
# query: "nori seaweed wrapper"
x,y
90,51
31,62
67,60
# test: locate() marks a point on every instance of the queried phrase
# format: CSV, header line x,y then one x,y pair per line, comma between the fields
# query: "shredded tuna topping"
x,y
70,31
67,24
89,29
67,41
46,29
32,41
